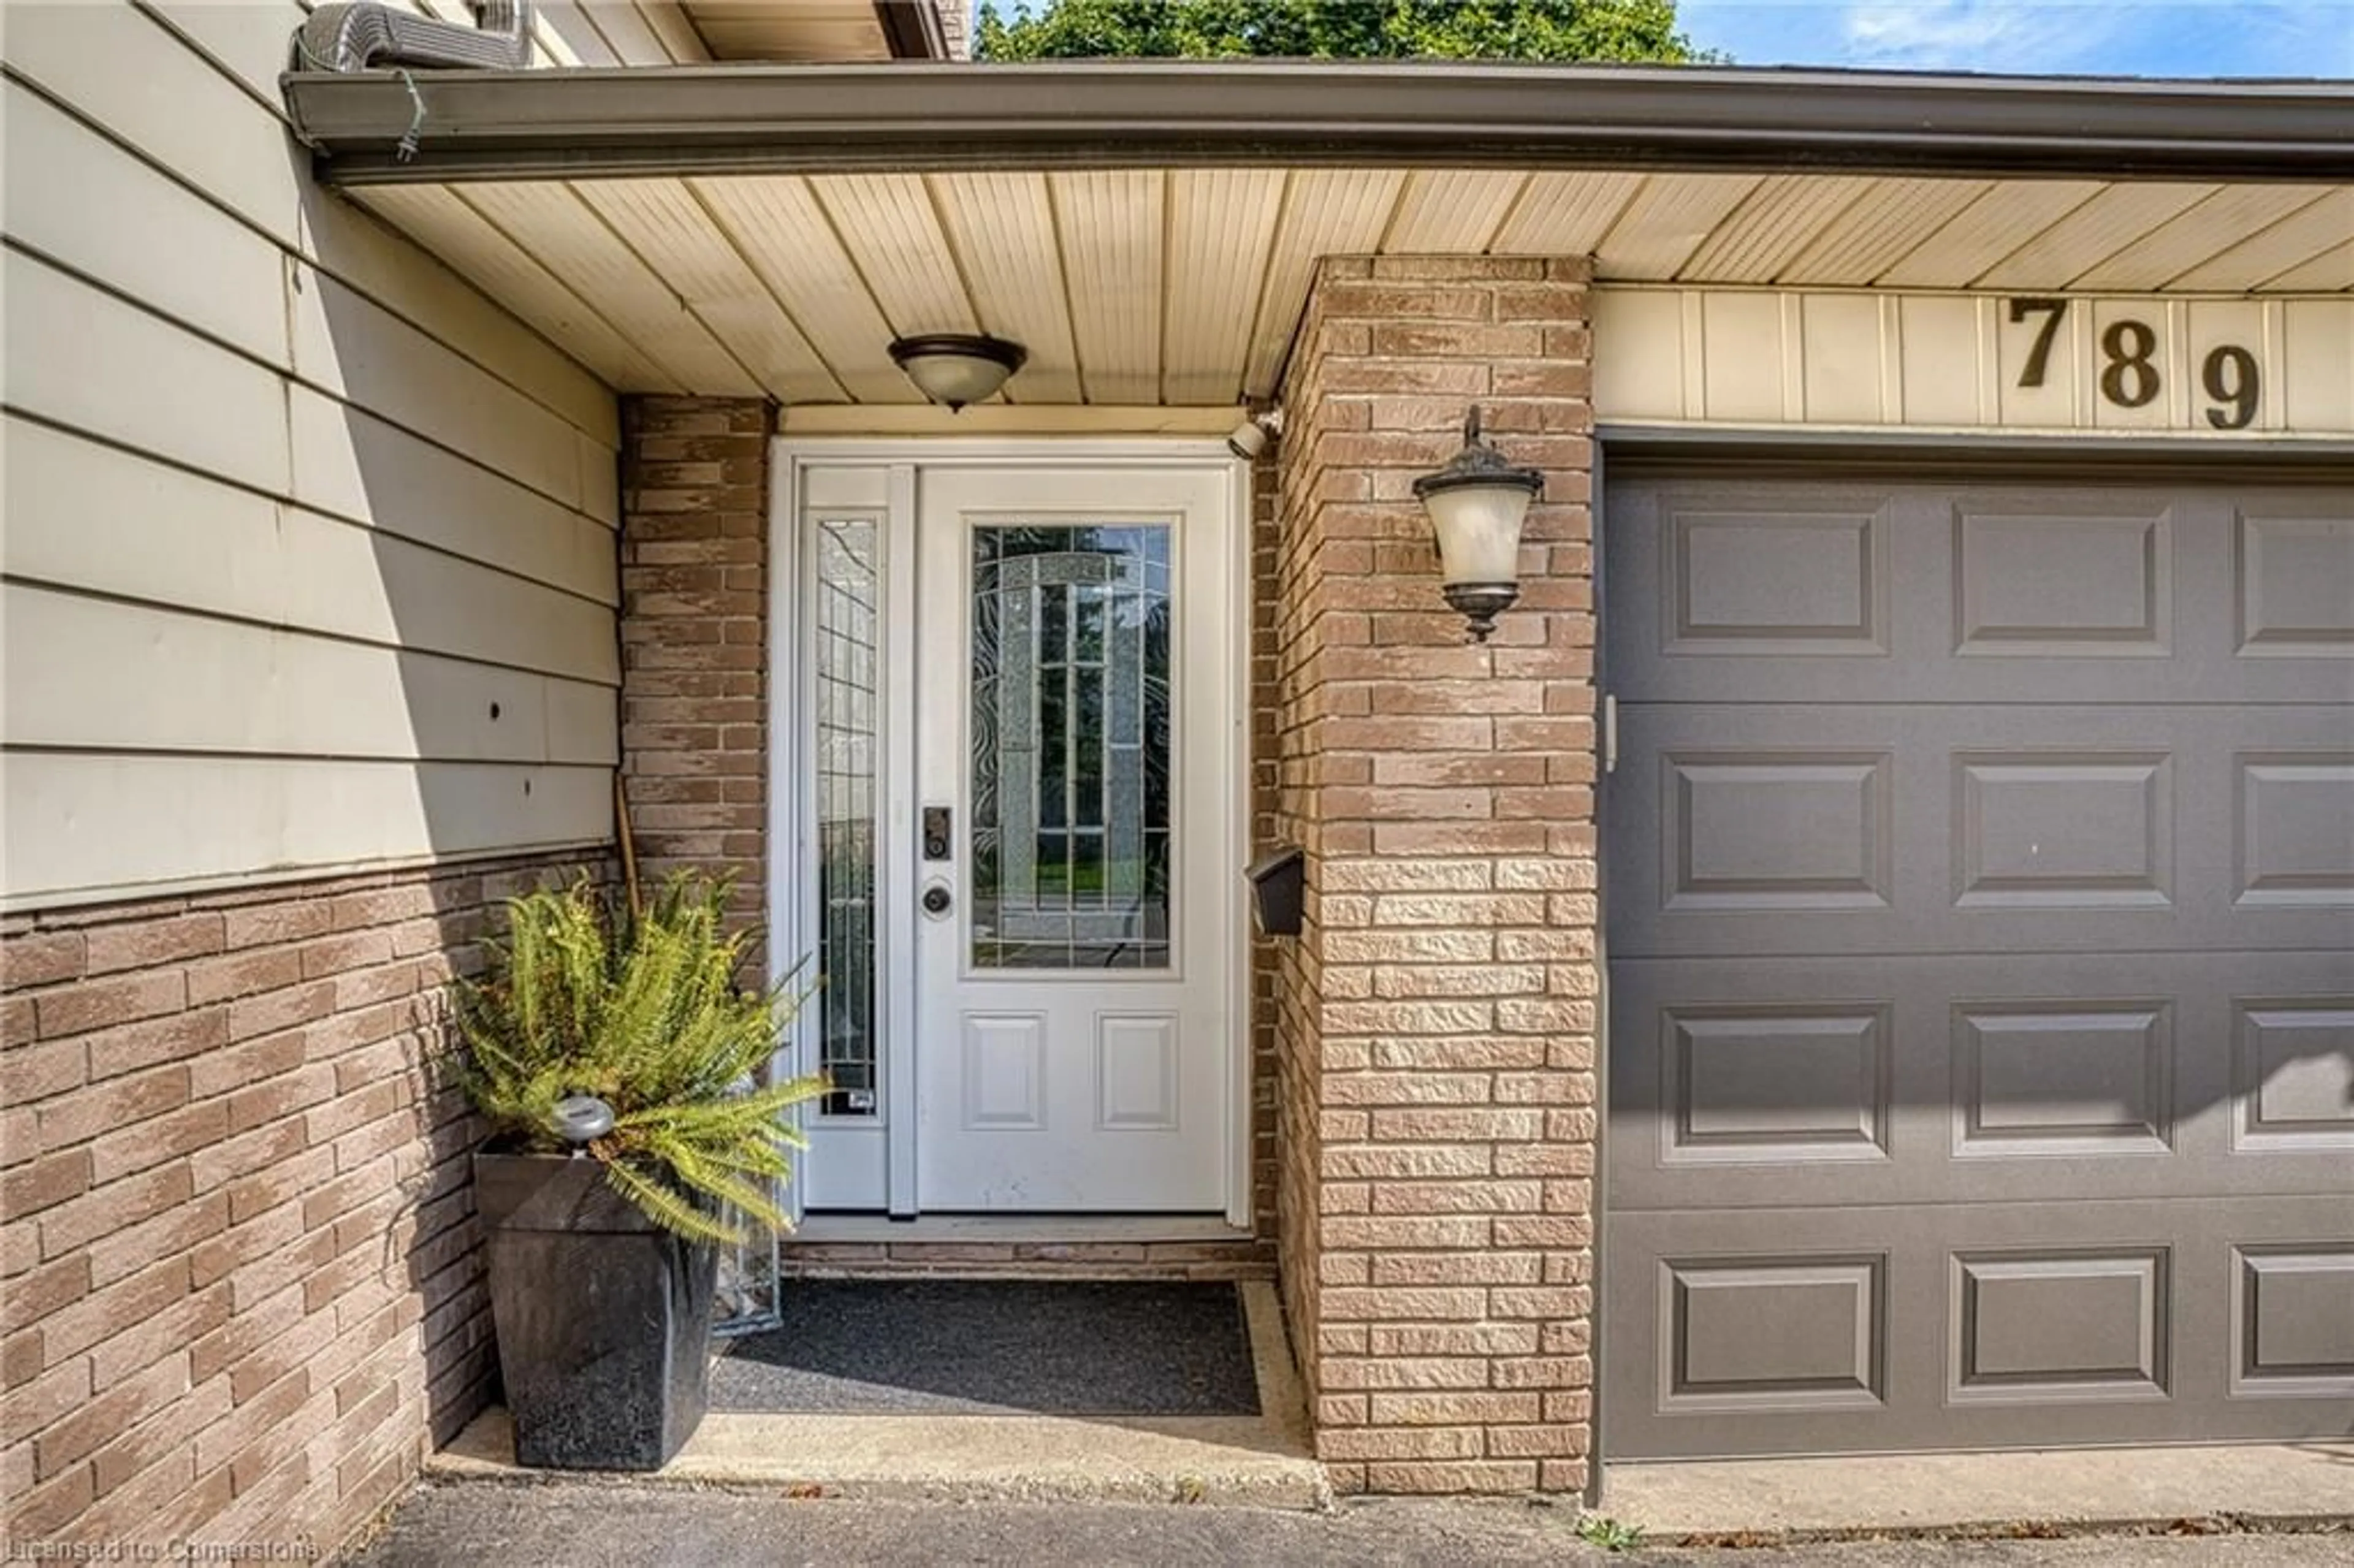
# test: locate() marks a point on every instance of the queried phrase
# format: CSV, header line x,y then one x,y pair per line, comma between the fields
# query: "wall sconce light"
x,y
957,368
1477,503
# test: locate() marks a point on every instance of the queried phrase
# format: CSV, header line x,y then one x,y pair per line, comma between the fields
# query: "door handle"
x,y
937,900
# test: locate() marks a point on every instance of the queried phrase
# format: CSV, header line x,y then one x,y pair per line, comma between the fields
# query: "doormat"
x,y
976,1346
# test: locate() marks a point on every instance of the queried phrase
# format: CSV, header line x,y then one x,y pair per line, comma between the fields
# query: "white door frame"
x,y
886,488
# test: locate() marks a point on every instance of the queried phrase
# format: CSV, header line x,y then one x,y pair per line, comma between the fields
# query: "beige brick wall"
x,y
1436,1022
240,1289
694,637
1267,831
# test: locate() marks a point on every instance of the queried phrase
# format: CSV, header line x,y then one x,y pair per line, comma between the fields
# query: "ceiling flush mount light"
x,y
957,368
1477,503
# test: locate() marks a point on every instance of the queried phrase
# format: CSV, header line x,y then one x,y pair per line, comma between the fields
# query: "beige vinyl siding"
x,y
1829,359
309,548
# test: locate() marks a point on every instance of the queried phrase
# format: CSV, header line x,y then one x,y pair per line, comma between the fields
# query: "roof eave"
x,y
696,120
912,29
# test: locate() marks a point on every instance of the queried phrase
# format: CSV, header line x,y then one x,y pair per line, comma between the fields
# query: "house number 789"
x,y
2129,375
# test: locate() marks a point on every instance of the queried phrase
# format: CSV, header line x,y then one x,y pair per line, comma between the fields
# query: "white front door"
x,y
1075,898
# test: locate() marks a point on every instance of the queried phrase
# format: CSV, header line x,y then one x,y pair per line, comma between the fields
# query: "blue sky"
x,y
2097,38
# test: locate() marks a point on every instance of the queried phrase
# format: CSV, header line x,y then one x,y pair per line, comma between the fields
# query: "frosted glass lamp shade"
x,y
1478,528
957,368
1477,505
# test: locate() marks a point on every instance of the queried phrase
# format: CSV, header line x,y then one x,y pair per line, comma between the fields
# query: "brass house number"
x,y
2129,377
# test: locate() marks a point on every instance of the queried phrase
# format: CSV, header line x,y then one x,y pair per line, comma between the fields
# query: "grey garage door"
x,y
1980,900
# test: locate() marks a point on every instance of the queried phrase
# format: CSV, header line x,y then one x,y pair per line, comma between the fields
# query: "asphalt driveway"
x,y
575,1525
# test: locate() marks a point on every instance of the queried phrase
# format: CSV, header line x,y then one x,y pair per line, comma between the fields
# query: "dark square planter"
x,y
603,1318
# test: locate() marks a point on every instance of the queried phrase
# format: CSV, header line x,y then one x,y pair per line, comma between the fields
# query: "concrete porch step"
x,y
1251,1461
1243,1461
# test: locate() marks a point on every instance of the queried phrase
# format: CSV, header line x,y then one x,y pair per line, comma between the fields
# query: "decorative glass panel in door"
x,y
844,742
848,740
1069,731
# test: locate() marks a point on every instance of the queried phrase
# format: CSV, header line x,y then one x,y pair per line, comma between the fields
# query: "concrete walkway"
x,y
573,1525
2277,1483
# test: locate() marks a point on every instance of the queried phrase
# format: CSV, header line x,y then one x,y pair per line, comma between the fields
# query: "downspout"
x,y
362,35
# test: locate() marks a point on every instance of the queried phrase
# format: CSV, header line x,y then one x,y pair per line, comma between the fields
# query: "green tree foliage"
x,y
1615,30
642,1010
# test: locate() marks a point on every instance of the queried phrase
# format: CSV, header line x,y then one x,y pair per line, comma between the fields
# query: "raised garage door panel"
x,y
1995,1325
1982,593
1760,1084
1785,828
1980,892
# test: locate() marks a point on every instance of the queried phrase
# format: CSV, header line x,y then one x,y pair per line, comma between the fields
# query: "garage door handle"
x,y
1609,733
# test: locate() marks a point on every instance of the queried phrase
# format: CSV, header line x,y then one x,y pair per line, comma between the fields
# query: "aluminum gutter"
x,y
763,119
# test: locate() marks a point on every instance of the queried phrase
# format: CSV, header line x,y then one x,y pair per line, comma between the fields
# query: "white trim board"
x,y
1015,1230
1004,421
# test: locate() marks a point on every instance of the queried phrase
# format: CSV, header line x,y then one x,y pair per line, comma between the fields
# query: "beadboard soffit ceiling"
x,y
1181,281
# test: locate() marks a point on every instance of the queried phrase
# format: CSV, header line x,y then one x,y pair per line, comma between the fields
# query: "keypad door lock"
x,y
937,900
940,835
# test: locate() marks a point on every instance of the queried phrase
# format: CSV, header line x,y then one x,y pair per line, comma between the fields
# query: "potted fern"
x,y
619,1063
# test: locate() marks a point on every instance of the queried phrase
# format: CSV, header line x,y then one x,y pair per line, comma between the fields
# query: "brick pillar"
x,y
1435,1022
694,637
